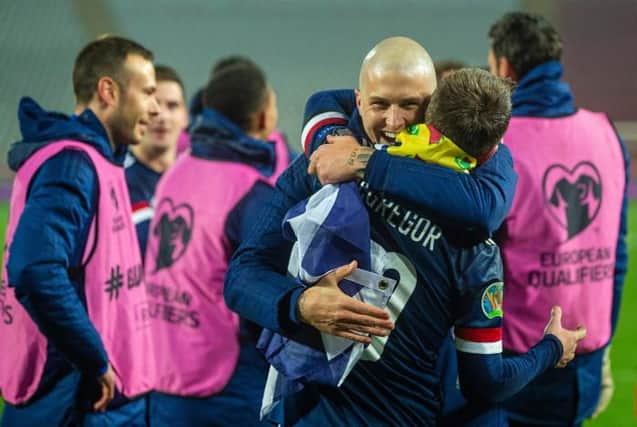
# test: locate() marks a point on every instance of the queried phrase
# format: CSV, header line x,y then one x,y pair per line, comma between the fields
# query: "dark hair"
x,y
442,67
103,57
472,107
196,104
229,61
237,92
526,40
164,73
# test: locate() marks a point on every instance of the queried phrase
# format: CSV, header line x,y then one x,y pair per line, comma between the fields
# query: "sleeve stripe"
x,y
140,205
143,214
485,335
478,347
318,121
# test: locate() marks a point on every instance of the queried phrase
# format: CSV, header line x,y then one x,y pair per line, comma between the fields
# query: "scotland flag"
x,y
330,229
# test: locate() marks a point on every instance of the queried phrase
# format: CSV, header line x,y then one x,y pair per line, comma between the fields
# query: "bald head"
x,y
396,81
398,55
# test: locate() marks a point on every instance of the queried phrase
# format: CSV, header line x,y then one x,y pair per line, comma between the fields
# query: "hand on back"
x,y
569,338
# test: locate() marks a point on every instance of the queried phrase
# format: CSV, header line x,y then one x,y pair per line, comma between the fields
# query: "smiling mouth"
x,y
388,137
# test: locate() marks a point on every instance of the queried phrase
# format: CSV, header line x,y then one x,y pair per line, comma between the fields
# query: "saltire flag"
x,y
330,229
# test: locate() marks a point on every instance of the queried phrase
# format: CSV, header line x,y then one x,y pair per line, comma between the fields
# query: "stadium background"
x,y
307,45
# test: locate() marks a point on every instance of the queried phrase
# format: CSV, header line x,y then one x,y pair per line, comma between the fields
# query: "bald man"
x,y
396,381
477,202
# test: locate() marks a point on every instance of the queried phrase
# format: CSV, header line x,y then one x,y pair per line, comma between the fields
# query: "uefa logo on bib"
x,y
573,196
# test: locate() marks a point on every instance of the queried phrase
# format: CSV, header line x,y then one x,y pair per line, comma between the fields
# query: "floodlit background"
x,y
304,46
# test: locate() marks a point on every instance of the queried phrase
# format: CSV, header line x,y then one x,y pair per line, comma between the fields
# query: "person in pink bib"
x,y
564,240
147,161
284,154
207,368
72,277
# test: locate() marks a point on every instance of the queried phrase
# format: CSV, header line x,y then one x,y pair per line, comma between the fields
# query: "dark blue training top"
x,y
443,275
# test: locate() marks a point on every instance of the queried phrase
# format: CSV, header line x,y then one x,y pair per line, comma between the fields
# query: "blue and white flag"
x,y
330,229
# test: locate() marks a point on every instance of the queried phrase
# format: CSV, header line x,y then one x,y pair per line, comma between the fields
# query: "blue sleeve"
x,y
492,378
49,240
479,200
257,286
246,213
484,374
325,111
621,256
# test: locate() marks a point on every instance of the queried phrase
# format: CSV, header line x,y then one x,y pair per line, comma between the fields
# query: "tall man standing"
x,y
564,241
73,268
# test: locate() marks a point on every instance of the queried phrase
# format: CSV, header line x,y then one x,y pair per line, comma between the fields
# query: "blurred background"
x,y
307,45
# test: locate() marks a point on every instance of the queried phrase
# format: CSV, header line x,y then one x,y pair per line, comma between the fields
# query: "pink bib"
x,y
561,233
113,286
195,335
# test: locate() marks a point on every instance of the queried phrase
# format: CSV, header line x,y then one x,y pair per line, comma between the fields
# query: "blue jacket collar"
x,y
40,128
215,137
355,124
541,93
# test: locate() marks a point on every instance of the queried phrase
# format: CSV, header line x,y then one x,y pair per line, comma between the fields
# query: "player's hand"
x,y
568,338
341,159
107,385
328,309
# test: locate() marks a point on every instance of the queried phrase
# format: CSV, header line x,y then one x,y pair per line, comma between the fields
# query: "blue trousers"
x,y
69,404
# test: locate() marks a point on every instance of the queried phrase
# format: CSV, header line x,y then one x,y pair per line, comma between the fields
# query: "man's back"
x,y
562,234
438,282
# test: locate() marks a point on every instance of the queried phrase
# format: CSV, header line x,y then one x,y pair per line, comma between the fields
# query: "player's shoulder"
x,y
478,265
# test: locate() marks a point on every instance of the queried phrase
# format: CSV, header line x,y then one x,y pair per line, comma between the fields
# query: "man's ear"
x,y
505,69
261,121
359,98
108,91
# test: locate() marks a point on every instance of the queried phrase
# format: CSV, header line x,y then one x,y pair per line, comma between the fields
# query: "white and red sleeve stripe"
x,y
479,340
317,122
142,211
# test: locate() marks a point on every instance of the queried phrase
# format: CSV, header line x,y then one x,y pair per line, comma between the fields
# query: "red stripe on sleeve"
x,y
479,334
140,205
317,126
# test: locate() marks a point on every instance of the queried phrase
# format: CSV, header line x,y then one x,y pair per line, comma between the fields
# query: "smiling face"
x,y
136,106
166,126
391,100
396,80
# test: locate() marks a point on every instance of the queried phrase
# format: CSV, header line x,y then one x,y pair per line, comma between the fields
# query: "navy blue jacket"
x,y
142,182
257,288
51,235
